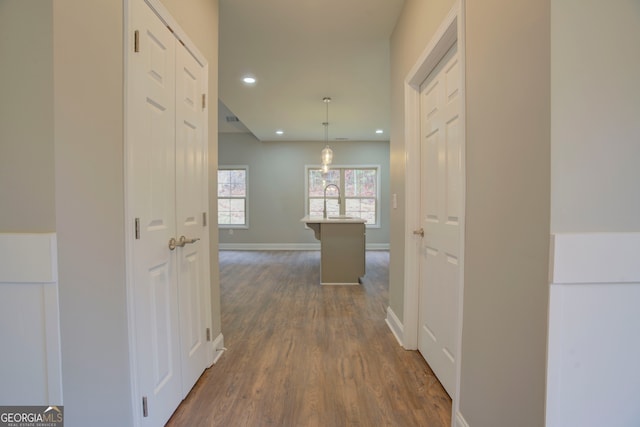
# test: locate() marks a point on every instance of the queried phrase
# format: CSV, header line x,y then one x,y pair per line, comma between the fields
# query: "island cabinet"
x,y
342,248
342,253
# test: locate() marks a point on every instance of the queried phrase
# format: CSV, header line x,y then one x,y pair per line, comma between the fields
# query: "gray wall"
x,y
276,185
507,200
595,106
88,102
507,213
61,169
26,117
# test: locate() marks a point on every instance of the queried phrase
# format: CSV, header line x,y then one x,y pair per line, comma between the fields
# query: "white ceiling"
x,y
301,51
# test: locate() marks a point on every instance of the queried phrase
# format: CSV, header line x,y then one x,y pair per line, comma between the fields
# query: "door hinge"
x,y
145,408
204,101
137,228
208,334
204,219
136,41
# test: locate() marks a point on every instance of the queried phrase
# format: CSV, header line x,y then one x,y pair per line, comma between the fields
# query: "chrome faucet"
x,y
324,211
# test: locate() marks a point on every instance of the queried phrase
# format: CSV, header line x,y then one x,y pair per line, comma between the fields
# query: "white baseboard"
x,y
377,246
289,246
395,325
269,246
218,348
459,420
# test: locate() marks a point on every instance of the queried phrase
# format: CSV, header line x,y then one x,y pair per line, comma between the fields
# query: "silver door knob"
x,y
184,241
419,232
173,243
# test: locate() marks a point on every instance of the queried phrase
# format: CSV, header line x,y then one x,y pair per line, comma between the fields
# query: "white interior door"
x,y
151,151
167,193
191,208
441,173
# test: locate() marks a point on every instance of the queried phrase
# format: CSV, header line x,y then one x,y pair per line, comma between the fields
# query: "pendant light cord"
x,y
326,100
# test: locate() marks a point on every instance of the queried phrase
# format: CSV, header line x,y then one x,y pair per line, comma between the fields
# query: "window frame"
x,y
246,196
377,168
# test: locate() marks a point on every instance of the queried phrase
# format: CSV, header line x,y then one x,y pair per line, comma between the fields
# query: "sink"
x,y
340,217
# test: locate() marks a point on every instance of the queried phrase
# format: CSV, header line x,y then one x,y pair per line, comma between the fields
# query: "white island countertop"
x,y
331,219
313,222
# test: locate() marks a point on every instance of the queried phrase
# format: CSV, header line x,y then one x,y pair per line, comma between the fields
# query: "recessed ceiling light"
x,y
379,131
279,132
249,80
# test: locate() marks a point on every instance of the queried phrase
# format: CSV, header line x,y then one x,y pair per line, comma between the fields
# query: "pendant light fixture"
x,y
327,152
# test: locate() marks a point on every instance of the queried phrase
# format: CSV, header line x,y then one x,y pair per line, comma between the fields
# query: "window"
x,y
359,192
232,196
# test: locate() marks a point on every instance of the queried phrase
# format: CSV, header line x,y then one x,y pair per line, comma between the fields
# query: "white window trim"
x,y
244,226
368,166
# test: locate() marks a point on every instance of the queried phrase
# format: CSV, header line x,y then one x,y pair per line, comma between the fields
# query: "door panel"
x,y
162,334
440,210
151,180
191,203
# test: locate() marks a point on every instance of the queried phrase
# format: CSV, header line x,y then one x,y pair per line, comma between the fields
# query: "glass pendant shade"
x,y
327,155
325,168
327,152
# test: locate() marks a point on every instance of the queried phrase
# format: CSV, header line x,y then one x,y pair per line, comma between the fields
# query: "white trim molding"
x,y
395,325
289,246
163,13
593,329
31,368
595,258
218,348
269,246
459,420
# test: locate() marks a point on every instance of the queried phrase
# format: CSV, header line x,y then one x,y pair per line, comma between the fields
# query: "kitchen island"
x,y
342,248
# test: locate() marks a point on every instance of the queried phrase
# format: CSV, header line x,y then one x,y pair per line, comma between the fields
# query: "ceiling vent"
x,y
232,119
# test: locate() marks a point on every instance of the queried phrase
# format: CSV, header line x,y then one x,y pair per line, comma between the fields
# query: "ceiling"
x,y
301,51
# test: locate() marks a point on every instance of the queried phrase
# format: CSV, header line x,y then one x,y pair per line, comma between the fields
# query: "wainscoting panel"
x,y
593,377
30,365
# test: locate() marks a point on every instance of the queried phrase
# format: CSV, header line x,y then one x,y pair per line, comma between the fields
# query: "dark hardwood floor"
x,y
300,354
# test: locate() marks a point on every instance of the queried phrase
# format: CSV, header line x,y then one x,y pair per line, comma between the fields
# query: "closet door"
x,y
167,170
151,183
191,208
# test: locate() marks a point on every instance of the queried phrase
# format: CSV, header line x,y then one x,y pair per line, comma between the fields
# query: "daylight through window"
x,y
358,192
232,196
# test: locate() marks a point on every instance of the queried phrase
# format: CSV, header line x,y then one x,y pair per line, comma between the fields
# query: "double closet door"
x,y
167,205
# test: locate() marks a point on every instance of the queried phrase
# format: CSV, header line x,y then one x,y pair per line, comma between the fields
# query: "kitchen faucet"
x,y
324,211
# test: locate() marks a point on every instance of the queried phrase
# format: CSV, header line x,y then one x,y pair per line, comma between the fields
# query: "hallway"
x,y
304,355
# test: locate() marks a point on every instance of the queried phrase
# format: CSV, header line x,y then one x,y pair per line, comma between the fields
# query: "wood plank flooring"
x,y
300,354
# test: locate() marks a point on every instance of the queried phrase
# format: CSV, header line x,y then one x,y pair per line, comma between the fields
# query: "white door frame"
x,y
451,30
128,41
